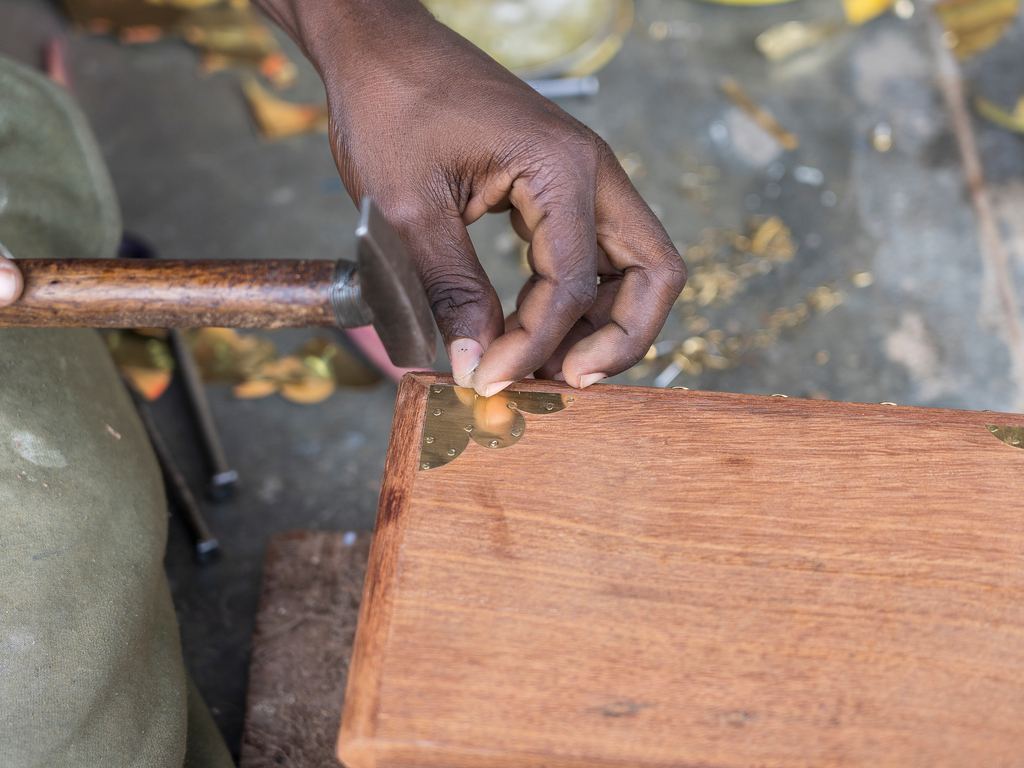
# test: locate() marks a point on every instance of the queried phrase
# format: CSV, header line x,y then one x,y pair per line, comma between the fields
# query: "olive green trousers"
x,y
91,672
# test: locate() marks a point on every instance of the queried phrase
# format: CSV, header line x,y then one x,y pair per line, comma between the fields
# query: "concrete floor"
x,y
196,182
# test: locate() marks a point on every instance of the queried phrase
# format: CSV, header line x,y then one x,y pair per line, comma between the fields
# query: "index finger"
x,y
638,245
557,206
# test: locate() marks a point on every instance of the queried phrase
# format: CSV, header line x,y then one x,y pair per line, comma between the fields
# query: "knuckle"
x,y
562,162
575,296
409,213
674,268
451,293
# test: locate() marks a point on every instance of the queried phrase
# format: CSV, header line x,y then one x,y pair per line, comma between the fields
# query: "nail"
x,y
559,376
465,355
8,283
495,388
590,378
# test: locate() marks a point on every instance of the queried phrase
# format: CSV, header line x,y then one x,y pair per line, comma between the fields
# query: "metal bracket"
x,y
1010,435
456,414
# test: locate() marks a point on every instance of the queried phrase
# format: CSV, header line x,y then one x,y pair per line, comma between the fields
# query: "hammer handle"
x,y
110,293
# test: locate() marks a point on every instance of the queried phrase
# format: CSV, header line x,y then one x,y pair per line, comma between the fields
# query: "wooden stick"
x,y
107,293
995,259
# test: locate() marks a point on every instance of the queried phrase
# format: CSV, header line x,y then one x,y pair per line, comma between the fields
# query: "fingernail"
x,y
590,378
493,389
8,283
465,355
559,376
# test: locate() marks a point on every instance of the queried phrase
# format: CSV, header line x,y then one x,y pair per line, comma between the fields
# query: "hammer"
x,y
381,288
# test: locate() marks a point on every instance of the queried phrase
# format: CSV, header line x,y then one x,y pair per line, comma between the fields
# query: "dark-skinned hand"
x,y
438,134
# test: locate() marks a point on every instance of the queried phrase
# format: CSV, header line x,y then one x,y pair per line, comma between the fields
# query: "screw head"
x,y
430,440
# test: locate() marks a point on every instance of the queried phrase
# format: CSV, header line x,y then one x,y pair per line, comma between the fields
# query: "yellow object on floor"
x,y
539,38
858,12
1014,121
278,119
226,32
748,2
973,26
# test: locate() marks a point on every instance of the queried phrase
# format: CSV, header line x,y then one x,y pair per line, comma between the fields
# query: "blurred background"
x,y
845,180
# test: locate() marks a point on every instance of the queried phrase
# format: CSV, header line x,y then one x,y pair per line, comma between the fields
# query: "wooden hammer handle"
x,y
110,293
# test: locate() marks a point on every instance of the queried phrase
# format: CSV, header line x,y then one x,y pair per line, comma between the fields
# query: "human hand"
x,y
438,134
10,279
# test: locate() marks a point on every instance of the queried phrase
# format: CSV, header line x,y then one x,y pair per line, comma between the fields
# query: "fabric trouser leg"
x,y
91,672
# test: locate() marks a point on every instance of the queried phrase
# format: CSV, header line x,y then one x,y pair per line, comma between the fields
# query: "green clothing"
x,y
91,672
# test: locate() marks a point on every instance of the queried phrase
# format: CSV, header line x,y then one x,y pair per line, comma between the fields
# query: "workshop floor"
x,y
196,182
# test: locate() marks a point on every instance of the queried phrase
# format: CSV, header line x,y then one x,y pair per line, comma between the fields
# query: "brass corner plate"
x,y
456,414
1010,435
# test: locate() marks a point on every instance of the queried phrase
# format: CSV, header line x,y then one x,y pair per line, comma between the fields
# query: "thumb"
x,y
11,282
465,304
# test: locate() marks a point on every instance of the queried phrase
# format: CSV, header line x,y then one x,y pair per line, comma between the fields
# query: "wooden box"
x,y
672,578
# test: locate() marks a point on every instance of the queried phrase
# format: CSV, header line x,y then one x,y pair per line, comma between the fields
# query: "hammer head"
x,y
391,288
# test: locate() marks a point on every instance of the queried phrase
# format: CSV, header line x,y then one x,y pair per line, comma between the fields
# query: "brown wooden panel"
x,y
310,590
673,578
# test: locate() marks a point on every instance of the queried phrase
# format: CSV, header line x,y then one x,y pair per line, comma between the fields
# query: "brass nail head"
x,y
1012,436
454,422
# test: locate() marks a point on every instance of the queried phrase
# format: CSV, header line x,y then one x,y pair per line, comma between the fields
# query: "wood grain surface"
x,y
675,578
310,590
111,293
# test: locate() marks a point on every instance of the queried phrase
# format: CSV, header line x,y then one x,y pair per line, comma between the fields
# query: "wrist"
x,y
342,37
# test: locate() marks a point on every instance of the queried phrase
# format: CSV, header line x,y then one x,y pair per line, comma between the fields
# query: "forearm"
x,y
340,37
